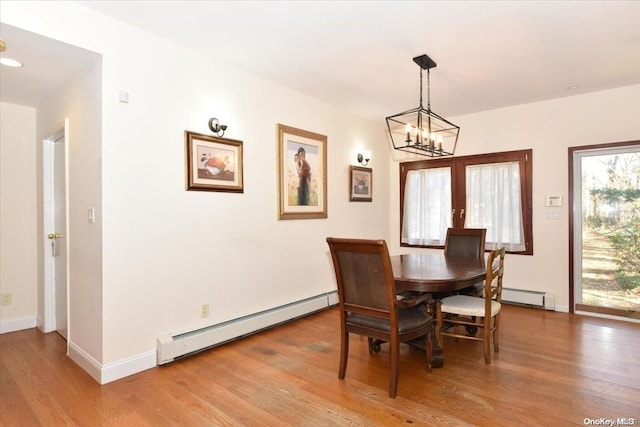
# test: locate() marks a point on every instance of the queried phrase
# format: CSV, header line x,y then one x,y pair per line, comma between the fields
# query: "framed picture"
x,y
302,174
360,184
212,163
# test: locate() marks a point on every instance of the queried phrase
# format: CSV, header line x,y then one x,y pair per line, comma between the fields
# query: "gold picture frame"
x,y
302,174
360,184
212,163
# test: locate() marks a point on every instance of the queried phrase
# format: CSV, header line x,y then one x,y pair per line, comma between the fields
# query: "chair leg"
x,y
395,352
487,340
344,354
496,326
439,323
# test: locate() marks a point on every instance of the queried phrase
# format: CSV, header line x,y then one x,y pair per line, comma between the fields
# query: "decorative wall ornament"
x,y
360,184
302,174
212,163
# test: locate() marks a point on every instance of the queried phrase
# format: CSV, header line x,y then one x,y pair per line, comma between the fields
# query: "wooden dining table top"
x,y
435,272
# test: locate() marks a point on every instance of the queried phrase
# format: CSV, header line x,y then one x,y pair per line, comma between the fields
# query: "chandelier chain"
x,y
420,87
428,91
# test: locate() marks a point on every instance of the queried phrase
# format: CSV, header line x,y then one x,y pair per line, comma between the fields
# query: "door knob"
x,y
53,236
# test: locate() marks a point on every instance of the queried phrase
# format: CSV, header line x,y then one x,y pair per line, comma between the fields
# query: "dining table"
x,y
439,275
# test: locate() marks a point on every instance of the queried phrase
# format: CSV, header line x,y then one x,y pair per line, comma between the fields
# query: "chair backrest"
x,y
495,271
466,242
364,276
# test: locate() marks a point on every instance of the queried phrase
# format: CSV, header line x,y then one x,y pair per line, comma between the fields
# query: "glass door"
x,y
607,230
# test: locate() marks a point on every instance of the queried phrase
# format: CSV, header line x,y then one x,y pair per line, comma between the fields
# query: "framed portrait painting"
x,y
212,163
360,184
302,174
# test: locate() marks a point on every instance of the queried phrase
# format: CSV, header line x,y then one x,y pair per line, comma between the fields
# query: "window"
x,y
491,191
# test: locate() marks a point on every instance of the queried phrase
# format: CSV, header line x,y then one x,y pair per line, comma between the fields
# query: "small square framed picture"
x,y
360,184
213,164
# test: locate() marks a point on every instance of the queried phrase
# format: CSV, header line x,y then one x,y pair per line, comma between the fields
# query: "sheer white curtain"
x,y
427,206
493,202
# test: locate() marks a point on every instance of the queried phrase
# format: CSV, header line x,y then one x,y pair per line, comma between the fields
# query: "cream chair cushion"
x,y
466,305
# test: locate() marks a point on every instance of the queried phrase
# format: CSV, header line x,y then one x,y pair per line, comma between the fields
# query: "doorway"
x,y
55,232
605,229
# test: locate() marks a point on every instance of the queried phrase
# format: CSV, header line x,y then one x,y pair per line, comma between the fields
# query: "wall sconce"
x,y
364,157
216,127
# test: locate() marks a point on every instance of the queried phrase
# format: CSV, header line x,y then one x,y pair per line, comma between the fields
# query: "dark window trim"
x,y
457,164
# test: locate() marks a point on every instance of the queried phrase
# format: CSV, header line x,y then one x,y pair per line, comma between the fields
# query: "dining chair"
x,y
468,242
369,306
468,311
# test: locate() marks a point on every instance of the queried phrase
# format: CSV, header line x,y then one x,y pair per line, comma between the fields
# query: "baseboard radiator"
x,y
529,298
175,346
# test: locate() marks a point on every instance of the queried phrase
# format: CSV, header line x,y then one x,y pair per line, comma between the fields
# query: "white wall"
x,y
80,102
166,251
18,222
548,128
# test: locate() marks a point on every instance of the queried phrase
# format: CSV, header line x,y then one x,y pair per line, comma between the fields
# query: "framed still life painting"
x,y
302,174
360,184
212,163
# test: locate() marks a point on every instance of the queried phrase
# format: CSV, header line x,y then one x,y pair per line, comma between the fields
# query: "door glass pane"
x,y
610,203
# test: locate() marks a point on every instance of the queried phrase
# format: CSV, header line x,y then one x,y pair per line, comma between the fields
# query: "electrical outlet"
x,y
204,310
6,299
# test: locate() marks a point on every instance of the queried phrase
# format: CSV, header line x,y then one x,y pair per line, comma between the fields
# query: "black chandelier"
x,y
420,130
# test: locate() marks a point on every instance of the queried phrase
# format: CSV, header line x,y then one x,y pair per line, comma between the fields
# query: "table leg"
x,y
438,356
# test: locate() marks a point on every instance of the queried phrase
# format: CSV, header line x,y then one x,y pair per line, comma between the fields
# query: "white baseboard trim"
x,y
129,366
17,324
85,361
104,374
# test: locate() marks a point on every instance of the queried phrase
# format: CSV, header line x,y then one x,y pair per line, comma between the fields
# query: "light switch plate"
x,y
123,96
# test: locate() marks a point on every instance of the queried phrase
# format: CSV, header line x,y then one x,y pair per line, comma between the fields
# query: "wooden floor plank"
x,y
552,369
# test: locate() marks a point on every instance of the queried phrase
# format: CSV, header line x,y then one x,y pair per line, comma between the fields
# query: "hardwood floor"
x,y
553,369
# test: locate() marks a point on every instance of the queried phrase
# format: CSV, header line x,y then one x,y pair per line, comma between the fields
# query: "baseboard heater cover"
x,y
524,297
172,347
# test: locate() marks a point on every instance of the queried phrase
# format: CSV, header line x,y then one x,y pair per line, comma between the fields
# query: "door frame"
x,y
48,210
574,255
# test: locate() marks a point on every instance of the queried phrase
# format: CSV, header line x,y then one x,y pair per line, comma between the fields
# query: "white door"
x,y
55,226
606,232
59,240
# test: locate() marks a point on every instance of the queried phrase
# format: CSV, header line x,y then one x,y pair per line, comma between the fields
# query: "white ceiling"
x,y
47,66
358,54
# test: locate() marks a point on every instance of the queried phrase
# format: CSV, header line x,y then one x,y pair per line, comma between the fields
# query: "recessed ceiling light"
x,y
573,86
10,62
